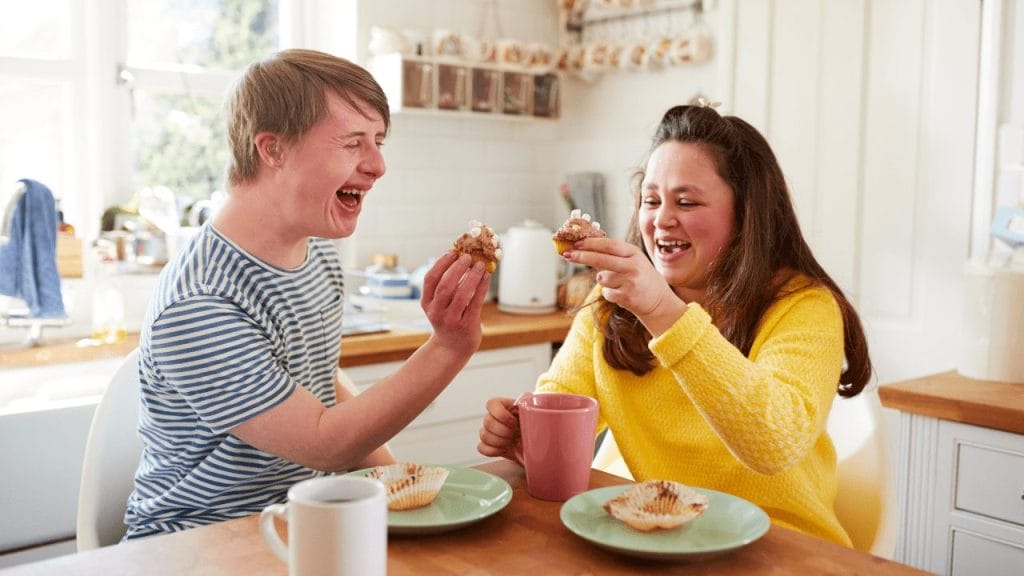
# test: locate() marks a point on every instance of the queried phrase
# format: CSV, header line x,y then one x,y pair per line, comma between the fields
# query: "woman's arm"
x,y
771,408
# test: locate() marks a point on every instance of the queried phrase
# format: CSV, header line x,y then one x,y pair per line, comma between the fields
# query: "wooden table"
x,y
526,537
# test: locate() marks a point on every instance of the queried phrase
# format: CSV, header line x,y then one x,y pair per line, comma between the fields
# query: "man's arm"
x,y
344,389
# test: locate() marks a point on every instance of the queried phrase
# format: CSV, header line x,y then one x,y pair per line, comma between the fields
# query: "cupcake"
x,y
481,243
576,228
410,485
657,505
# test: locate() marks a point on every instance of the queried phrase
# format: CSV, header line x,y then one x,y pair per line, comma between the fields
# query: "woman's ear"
x,y
270,148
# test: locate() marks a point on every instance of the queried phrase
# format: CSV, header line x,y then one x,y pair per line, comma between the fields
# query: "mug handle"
x,y
517,448
269,533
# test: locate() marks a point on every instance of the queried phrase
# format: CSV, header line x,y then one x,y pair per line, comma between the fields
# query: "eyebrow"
x,y
360,134
683,189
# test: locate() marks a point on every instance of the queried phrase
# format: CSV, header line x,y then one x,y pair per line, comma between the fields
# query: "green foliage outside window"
x,y
179,137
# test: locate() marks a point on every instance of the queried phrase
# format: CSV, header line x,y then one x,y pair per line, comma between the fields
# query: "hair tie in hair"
x,y
705,103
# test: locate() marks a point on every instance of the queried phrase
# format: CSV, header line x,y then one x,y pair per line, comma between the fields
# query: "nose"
x,y
665,217
373,163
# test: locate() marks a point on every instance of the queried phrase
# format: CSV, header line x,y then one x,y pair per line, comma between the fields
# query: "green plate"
x,y
467,496
728,523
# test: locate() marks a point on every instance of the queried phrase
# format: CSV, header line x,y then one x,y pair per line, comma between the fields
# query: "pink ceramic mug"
x,y
557,445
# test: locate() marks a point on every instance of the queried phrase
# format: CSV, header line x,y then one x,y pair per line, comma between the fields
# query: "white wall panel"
x,y
752,64
891,165
793,106
834,231
870,105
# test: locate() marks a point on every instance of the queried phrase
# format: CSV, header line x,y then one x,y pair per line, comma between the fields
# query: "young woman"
x,y
716,342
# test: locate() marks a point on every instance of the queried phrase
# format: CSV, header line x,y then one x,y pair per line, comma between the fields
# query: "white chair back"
x,y
865,503
112,453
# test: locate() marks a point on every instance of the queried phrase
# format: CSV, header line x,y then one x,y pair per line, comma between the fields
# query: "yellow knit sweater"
x,y
708,416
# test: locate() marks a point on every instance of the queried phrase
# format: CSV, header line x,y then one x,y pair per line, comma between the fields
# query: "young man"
x,y
240,347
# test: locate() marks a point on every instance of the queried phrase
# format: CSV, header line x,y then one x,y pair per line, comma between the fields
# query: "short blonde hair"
x,y
286,94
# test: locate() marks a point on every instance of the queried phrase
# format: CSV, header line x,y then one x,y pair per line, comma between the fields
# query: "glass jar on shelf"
x,y
417,84
517,94
451,87
545,96
485,90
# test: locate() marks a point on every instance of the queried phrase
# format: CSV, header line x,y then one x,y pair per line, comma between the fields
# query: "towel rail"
x,y
20,318
8,215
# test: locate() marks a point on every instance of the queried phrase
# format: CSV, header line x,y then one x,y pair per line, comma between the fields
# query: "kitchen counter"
x,y
961,454
501,330
951,396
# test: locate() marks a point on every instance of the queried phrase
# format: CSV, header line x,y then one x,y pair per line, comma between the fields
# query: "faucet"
x,y
20,318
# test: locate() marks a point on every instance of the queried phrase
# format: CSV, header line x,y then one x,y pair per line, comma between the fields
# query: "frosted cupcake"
x,y
481,243
410,485
578,227
657,505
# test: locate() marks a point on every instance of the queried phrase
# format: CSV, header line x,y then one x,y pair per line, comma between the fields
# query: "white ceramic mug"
x,y
337,526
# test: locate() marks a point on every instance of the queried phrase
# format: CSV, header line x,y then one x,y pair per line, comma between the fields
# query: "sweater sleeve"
x,y
771,408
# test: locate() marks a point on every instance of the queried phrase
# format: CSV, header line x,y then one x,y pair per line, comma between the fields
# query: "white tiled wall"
x,y
442,172
445,171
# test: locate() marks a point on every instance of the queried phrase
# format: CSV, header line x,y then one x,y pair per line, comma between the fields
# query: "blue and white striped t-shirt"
x,y
227,337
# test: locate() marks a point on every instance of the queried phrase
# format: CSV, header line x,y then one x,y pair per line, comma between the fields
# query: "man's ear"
x,y
270,147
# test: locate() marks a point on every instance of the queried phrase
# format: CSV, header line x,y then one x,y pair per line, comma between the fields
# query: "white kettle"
x,y
528,274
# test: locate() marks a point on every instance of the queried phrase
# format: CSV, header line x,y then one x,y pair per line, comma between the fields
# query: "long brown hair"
x,y
765,252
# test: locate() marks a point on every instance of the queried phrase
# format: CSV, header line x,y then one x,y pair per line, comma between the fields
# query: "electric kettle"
x,y
528,274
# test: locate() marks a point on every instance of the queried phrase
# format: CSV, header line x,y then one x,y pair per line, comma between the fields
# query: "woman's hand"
x,y
453,295
500,431
628,278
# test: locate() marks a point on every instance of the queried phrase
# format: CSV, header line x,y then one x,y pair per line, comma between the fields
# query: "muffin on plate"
x,y
481,243
578,227
410,485
657,505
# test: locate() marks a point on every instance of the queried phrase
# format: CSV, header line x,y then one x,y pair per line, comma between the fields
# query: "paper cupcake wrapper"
x,y
657,504
410,485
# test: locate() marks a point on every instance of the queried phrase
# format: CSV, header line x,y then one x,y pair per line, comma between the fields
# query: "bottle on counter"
x,y
108,324
62,225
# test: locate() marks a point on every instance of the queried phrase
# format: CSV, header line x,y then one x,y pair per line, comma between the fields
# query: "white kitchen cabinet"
x,y
961,494
447,431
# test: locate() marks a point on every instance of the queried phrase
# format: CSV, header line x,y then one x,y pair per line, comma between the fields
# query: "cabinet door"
x,y
446,431
974,554
977,500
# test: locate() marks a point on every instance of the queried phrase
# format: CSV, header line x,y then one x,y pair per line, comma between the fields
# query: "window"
x,y
181,58
99,111
37,67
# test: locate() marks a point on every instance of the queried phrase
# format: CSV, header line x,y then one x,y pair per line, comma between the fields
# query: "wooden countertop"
x,y
526,537
951,396
501,330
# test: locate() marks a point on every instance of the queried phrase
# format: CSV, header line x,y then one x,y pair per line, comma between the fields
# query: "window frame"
x,y
97,165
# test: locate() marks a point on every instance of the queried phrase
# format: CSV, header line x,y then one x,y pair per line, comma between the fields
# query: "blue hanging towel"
x,y
28,263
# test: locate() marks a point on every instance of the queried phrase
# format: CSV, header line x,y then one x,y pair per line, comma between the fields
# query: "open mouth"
x,y
671,246
350,197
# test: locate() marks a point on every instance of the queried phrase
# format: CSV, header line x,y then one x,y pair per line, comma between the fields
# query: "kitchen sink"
x,y
54,386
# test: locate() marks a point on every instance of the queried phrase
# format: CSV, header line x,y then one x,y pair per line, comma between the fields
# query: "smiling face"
x,y
326,174
685,216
